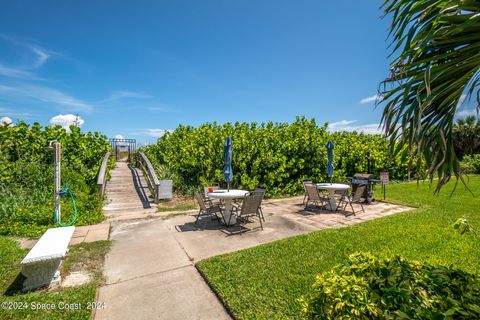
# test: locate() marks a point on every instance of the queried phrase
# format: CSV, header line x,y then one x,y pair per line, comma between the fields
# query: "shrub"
x,y
26,183
370,288
471,163
276,156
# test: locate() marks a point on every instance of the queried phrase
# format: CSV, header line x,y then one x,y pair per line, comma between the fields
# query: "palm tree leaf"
x,y
435,50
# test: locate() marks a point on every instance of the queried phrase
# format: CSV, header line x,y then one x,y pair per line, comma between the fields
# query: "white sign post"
x,y
384,179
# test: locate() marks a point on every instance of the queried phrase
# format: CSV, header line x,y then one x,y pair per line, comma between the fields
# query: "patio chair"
x,y
261,192
355,197
305,195
206,197
340,194
250,208
314,197
207,208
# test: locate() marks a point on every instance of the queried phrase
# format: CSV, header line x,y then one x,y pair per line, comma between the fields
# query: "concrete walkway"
x,y
150,269
150,276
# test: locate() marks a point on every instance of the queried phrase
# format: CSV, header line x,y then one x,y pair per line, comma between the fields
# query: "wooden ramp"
x,y
128,196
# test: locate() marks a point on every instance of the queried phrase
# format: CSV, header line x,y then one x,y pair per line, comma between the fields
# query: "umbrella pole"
x,y
228,186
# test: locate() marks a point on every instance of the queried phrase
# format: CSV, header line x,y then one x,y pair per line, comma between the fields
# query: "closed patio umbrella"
x,y
227,162
330,147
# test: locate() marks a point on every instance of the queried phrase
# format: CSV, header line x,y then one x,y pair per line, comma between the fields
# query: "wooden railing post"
x,y
102,175
152,180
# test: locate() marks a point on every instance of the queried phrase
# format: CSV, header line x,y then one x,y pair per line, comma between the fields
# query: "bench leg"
x,y
41,274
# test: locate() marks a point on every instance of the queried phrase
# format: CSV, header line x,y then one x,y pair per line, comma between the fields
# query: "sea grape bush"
x,y
26,183
80,151
371,288
274,155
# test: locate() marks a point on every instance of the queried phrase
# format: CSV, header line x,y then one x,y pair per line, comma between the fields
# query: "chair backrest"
x,y
259,191
205,189
200,201
357,195
251,203
304,182
312,192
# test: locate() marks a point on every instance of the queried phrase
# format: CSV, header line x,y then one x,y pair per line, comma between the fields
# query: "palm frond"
x,y
436,59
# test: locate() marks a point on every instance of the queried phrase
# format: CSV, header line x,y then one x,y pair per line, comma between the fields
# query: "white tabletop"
x,y
334,186
225,194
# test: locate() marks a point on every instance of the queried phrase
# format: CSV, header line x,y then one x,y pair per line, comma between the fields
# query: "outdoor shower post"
x,y
57,161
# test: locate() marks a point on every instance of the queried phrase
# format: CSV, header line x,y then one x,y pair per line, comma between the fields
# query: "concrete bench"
x,y
40,266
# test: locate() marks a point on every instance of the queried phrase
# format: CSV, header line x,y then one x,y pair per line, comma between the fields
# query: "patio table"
x,y
332,187
228,196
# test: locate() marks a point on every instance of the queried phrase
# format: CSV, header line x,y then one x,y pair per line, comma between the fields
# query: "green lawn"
x,y
88,256
265,282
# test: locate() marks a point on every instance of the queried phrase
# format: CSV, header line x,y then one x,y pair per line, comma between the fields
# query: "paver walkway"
x,y
128,195
150,269
91,233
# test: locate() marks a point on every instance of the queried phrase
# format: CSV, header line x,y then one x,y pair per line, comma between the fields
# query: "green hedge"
x,y
471,164
26,182
367,288
274,155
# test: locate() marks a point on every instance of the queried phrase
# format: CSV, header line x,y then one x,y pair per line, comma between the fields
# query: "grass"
x,y
178,204
266,282
86,256
180,207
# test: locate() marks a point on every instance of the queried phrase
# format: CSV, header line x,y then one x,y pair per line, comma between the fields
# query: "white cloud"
x,y
347,125
16,73
66,120
117,95
49,95
371,99
5,120
339,125
42,56
162,109
119,136
157,133
466,113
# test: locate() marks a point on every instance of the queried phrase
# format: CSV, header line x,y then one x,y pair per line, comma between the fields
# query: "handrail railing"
x,y
102,175
152,180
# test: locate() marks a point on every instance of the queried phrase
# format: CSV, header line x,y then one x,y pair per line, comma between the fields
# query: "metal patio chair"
x,y
261,192
314,197
250,208
206,197
355,197
305,195
207,208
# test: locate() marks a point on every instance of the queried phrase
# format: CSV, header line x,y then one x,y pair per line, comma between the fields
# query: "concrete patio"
x,y
150,270
284,218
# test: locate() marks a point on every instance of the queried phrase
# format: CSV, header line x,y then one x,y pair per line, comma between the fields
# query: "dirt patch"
x,y
86,260
76,278
178,203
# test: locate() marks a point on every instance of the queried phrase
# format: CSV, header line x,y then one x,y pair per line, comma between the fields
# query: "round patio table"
x,y
332,187
228,196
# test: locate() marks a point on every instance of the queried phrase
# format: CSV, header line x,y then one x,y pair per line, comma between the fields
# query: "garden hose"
x,y
63,192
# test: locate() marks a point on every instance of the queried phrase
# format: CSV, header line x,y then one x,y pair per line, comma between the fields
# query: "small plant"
x,y
370,288
463,226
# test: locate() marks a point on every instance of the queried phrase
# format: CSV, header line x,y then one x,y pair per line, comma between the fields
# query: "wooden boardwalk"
x,y
128,196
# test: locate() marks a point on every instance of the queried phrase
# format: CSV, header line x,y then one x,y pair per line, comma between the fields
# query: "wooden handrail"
x,y
152,180
102,175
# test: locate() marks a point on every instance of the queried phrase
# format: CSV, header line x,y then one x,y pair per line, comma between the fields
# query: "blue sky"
x,y
138,68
